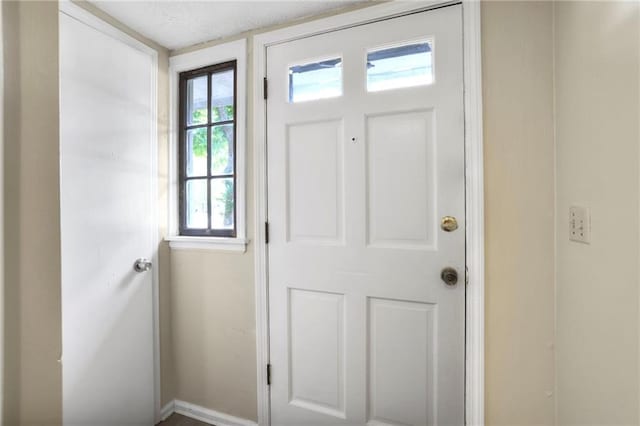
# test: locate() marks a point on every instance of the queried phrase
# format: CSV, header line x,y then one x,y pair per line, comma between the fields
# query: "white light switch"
x,y
579,224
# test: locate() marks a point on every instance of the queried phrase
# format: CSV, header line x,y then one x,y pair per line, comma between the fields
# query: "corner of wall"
x,y
32,328
11,337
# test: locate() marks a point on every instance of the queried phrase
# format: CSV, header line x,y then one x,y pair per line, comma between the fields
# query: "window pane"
x,y
222,88
222,149
197,101
319,80
400,66
222,203
196,200
196,147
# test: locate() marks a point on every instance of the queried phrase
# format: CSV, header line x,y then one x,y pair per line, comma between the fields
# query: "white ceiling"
x,y
180,23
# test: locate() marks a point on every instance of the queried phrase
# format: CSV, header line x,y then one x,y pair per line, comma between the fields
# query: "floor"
x,y
180,420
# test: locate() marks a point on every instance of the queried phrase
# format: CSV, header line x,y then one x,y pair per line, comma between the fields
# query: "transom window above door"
x,y
315,80
207,151
400,66
397,66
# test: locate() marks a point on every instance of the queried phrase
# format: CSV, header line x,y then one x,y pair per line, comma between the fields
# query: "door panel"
x,y
106,222
401,365
362,328
314,164
400,181
316,330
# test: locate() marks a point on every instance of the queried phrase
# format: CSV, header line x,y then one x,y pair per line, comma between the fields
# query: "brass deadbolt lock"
x,y
449,224
449,276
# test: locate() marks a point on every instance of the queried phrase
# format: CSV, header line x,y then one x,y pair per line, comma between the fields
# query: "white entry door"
x,y
106,129
365,159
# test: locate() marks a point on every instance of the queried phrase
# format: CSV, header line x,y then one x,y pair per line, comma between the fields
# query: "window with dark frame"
x,y
207,157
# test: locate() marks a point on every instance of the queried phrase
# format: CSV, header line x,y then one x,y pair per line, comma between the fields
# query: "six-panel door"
x,y
365,156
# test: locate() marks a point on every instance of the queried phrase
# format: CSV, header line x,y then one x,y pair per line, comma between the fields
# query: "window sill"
x,y
179,242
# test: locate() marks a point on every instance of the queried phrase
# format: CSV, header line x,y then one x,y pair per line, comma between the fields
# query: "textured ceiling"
x,y
180,23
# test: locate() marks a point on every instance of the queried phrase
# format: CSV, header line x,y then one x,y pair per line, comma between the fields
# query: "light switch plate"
x,y
579,224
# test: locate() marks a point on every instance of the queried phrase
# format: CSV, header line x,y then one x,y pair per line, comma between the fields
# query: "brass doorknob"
x,y
449,223
449,276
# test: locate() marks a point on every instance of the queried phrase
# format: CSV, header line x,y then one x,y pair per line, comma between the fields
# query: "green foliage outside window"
x,y
200,138
221,151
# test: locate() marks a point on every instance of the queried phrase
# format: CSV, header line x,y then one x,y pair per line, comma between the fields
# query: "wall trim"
x,y
203,414
474,375
474,164
233,50
76,12
167,410
181,242
2,344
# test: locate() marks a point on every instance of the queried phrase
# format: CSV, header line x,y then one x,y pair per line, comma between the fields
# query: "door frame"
x,y
86,17
474,185
2,343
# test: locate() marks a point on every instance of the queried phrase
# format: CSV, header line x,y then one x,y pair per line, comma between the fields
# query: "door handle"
x,y
142,265
449,276
449,223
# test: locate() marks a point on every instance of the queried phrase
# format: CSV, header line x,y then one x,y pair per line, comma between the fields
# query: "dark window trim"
x,y
182,155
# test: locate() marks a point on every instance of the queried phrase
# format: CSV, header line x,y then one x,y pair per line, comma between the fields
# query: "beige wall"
x,y
11,344
517,54
212,292
214,331
32,220
597,116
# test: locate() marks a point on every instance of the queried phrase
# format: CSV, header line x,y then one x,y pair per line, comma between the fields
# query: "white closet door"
x,y
106,110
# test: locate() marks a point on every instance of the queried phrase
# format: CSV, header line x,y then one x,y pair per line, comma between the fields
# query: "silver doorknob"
x,y
449,276
142,265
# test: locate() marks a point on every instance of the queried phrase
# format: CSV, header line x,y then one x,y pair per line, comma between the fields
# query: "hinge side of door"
x,y
466,275
264,87
266,232
268,374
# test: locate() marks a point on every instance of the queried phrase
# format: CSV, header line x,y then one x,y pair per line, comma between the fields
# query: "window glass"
x,y
222,96
196,152
196,203
222,203
400,66
197,112
222,149
207,152
318,80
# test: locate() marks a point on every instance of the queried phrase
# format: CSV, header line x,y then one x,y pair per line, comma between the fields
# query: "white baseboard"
x,y
203,414
167,410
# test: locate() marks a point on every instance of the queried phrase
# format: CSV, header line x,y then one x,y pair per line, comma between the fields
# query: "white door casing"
x,y
108,202
362,329
2,343
474,373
